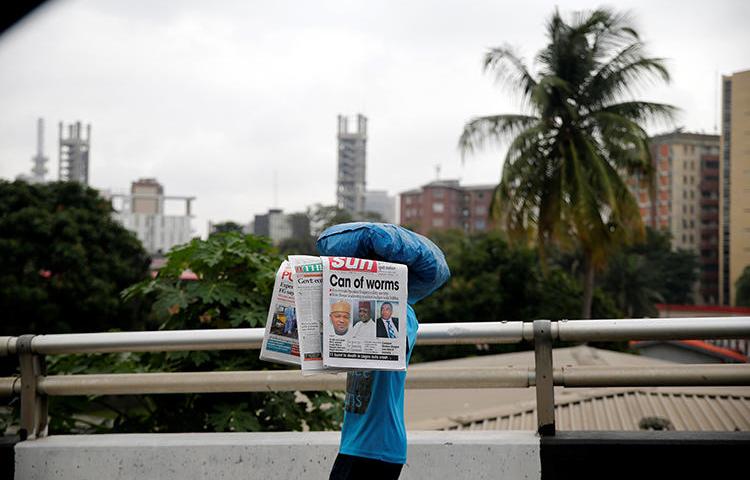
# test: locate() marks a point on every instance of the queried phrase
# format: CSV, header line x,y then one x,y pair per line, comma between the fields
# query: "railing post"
x,y
33,404
545,389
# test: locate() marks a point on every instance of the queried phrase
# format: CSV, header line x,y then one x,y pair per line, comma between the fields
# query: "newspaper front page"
x,y
307,275
280,342
364,314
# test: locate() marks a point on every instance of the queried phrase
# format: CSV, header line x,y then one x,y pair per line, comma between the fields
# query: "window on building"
x,y
438,193
480,224
684,209
480,210
438,207
408,200
437,222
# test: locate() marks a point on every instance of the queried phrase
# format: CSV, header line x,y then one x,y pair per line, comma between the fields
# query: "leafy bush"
x,y
233,287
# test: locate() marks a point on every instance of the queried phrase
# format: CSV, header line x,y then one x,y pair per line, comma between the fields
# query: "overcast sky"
x,y
217,99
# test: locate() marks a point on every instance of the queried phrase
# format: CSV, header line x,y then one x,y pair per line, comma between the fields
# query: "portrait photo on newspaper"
x,y
363,301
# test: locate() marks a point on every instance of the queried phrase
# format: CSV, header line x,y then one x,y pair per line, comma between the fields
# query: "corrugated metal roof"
x,y
624,410
577,408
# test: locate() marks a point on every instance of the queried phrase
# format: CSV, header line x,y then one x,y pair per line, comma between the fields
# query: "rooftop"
x,y
688,408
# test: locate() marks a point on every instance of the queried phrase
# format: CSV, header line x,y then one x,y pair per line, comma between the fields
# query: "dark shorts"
x,y
350,467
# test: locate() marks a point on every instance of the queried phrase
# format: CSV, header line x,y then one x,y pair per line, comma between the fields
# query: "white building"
x,y
142,212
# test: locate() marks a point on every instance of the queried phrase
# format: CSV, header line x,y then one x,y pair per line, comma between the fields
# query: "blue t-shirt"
x,y
374,409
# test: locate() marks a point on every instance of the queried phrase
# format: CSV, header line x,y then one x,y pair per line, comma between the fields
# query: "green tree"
x,y
494,280
631,281
324,216
64,261
235,278
673,273
561,181
228,226
742,297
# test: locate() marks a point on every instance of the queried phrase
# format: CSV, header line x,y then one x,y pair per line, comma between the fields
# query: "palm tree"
x,y
561,182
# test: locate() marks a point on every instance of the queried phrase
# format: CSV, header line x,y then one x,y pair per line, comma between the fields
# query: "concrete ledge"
x,y
432,455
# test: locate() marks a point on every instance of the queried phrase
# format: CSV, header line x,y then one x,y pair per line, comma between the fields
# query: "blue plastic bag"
x,y
428,269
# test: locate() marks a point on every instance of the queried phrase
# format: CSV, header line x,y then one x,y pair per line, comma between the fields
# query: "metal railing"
x,y
35,386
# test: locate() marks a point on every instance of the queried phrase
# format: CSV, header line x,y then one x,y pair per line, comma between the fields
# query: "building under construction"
x,y
350,192
74,154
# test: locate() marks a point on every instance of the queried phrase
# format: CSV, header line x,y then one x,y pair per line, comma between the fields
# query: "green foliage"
x,y
561,182
298,246
494,280
235,275
630,281
64,261
225,227
324,216
742,298
675,271
651,272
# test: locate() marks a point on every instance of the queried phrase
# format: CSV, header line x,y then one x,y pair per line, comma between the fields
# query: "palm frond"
x,y
611,86
509,68
639,111
494,128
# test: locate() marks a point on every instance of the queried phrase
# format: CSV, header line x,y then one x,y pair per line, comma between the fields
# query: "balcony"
x,y
543,451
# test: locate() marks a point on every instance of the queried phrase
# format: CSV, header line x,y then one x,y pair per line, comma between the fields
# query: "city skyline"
x,y
218,103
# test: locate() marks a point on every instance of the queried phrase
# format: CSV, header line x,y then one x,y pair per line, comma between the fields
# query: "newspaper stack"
x,y
349,314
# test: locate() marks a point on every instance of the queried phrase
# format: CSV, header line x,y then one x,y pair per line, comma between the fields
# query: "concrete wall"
x,y
432,455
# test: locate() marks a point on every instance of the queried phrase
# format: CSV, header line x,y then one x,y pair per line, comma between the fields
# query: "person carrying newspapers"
x,y
373,436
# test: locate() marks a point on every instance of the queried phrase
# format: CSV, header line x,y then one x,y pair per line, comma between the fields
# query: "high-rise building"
x,y
352,147
142,212
686,199
734,198
73,154
378,201
445,205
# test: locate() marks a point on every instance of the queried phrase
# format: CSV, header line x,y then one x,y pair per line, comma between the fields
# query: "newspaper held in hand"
x,y
307,274
364,314
280,342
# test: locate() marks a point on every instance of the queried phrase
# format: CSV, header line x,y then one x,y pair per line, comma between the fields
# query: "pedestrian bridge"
x,y
543,453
